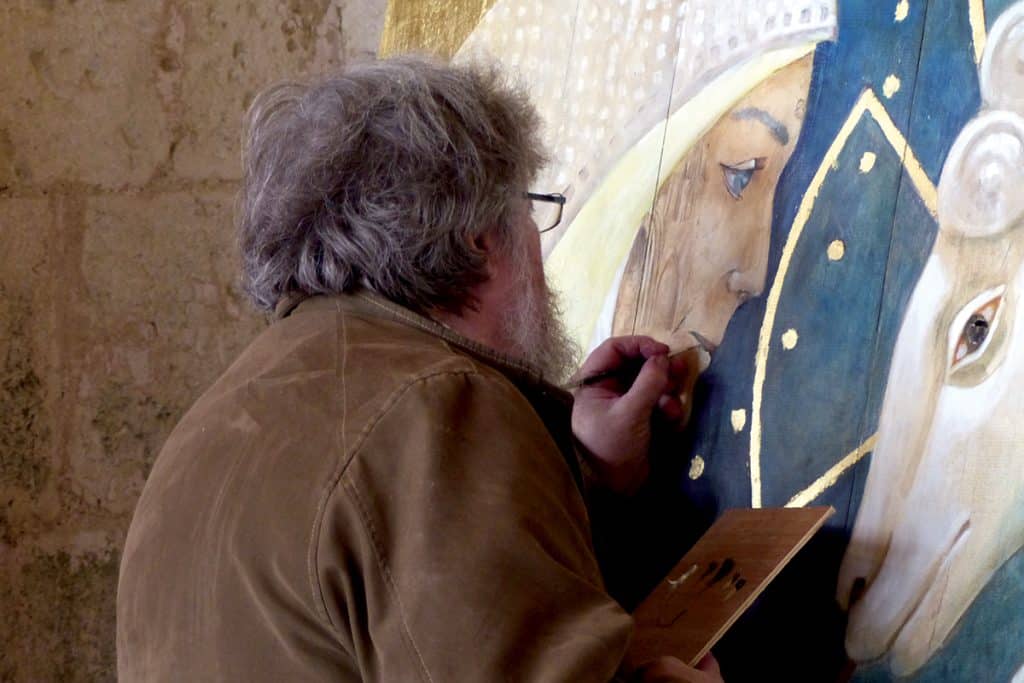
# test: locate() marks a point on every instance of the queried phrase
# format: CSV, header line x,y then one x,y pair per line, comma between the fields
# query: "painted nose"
x,y
743,285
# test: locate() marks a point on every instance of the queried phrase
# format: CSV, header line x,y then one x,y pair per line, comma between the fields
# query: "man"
x,y
385,485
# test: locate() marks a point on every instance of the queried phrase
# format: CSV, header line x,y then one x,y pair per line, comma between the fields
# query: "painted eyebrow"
x,y
776,127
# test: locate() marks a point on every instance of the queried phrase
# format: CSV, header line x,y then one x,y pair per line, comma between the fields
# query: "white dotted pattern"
x,y
602,73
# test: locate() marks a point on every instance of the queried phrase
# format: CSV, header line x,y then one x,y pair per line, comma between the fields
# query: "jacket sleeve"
x,y
455,545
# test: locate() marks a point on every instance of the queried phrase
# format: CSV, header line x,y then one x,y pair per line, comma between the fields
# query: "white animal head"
x,y
944,503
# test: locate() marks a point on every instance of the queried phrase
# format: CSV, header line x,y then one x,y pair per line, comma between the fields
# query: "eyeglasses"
x,y
554,198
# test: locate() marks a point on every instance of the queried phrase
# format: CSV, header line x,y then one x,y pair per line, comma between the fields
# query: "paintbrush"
x,y
627,372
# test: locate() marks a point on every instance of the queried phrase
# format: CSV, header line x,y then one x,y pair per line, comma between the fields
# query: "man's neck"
x,y
475,323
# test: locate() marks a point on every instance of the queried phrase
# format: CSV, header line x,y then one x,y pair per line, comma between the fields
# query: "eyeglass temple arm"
x,y
556,198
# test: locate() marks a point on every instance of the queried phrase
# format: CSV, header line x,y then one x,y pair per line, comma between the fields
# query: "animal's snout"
x,y
860,585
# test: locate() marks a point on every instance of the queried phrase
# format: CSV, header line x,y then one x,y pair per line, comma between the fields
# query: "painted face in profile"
x,y
703,250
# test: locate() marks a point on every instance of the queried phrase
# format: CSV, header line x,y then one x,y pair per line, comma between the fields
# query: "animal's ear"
x,y
1002,66
980,192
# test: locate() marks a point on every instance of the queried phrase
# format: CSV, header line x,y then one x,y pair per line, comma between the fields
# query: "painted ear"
x,y
1002,66
980,189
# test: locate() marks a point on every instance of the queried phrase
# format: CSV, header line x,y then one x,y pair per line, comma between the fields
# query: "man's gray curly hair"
x,y
382,176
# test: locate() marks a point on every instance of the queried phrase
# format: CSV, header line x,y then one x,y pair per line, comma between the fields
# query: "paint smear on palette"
x,y
710,579
733,587
676,583
728,564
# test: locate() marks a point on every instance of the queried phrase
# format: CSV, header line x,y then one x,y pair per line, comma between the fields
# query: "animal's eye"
x,y
975,326
974,334
738,176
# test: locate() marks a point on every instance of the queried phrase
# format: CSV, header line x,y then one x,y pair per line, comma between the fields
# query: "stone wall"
x,y
119,128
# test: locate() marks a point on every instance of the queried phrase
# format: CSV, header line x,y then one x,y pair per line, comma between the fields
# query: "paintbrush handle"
x,y
627,372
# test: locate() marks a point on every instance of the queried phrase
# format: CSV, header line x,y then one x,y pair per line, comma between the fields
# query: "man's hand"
x,y
612,418
671,670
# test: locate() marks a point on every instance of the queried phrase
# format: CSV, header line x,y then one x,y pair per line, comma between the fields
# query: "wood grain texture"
x,y
702,252
718,579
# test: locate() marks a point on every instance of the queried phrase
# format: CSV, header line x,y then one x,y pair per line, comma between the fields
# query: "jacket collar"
x,y
369,303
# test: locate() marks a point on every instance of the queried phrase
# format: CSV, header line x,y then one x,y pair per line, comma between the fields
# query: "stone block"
x,y
27,391
159,317
58,616
229,51
118,295
80,100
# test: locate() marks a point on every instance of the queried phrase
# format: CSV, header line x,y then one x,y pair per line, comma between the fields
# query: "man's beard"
x,y
534,330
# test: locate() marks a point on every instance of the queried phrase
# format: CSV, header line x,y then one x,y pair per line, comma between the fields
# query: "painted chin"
x,y
924,633
907,636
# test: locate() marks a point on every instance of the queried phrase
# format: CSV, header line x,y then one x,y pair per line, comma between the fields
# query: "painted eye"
x,y
738,176
974,327
974,334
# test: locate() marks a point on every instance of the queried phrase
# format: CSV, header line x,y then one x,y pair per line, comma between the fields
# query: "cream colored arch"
x,y
625,87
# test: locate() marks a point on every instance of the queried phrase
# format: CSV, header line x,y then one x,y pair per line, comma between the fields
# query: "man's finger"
x,y
709,664
649,346
679,370
671,670
647,389
615,352
670,407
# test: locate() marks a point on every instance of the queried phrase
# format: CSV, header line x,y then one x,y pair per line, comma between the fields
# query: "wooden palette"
x,y
718,580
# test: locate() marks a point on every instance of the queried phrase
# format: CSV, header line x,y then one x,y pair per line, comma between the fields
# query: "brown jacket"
x,y
365,495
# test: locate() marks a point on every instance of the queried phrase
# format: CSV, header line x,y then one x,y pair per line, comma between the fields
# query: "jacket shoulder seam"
x,y
334,483
389,581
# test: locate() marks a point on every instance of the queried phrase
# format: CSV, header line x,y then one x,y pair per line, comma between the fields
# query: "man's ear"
x,y
486,242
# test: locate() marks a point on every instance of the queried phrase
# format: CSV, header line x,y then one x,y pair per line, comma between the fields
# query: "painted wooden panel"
x,y
713,189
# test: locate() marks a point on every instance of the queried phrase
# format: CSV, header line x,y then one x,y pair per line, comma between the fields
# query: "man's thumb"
x,y
648,387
